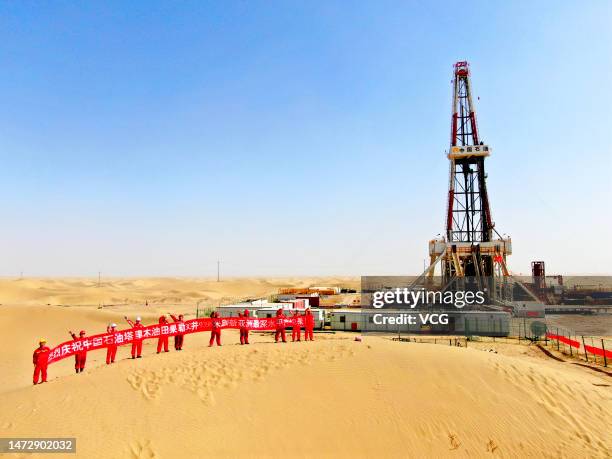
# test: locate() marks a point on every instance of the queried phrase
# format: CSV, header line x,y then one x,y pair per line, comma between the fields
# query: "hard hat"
x,y
82,332
114,325
42,340
137,319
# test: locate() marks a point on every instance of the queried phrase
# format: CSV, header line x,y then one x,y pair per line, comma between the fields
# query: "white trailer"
x,y
319,314
486,323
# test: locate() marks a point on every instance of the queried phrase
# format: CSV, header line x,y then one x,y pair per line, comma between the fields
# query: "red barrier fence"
x,y
598,351
119,338
593,350
564,339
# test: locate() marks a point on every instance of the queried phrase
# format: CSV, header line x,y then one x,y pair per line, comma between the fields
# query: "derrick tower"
x,y
468,253
468,214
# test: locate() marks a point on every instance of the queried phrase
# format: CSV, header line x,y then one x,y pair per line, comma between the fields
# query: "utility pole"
x,y
218,264
99,279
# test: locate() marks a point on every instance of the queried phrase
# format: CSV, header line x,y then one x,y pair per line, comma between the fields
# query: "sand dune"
x,y
76,291
331,398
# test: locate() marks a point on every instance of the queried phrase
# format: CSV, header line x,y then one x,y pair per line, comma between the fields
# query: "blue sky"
x,y
293,138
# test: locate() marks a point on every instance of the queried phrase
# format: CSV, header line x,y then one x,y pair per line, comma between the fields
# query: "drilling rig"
x,y
471,254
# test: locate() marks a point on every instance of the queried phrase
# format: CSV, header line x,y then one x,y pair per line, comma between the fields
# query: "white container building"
x,y
487,323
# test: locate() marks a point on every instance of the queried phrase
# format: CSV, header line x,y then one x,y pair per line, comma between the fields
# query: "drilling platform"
x,y
471,254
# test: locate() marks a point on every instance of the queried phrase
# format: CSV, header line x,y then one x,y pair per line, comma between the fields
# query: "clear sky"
x,y
293,138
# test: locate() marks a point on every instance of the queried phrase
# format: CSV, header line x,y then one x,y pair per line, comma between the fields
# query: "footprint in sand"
x,y
454,441
142,450
203,377
492,446
135,381
206,396
147,383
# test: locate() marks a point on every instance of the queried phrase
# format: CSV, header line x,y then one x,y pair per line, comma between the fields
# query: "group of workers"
x,y
162,341
296,331
41,353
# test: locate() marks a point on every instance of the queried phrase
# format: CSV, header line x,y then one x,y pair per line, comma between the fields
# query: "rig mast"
x,y
468,253
468,213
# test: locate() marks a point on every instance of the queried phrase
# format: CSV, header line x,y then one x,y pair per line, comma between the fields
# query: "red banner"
x,y
119,338
564,339
598,351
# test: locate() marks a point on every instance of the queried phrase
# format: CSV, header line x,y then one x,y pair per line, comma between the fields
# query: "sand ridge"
x,y
402,415
331,398
167,290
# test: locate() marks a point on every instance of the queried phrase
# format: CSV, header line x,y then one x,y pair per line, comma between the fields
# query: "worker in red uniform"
x,y
280,326
296,331
309,324
40,358
245,330
111,349
136,343
163,339
240,322
215,333
178,338
81,356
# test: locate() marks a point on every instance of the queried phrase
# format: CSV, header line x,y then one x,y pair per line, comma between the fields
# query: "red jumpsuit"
x,y
280,326
215,333
244,331
80,357
111,349
40,358
308,325
240,322
163,339
137,343
178,338
296,331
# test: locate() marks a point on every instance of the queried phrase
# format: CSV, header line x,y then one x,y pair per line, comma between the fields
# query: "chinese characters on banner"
x,y
92,343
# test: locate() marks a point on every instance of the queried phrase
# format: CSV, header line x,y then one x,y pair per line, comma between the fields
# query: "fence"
x,y
460,341
591,349
204,311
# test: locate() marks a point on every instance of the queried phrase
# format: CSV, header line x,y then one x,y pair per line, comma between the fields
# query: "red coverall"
x,y
163,339
178,339
296,331
244,331
81,356
111,349
215,333
40,359
308,325
136,344
280,326
241,328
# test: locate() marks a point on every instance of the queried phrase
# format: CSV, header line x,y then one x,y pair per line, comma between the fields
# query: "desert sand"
x,y
177,291
334,397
